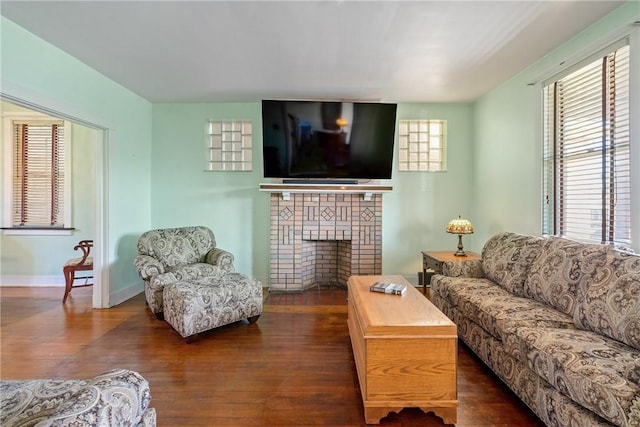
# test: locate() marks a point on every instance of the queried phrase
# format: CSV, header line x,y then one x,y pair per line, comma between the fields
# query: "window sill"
x,y
36,231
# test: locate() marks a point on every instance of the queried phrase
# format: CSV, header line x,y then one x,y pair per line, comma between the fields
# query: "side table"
x,y
432,264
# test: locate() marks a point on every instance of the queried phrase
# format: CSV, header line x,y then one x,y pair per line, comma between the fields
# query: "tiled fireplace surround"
x,y
323,239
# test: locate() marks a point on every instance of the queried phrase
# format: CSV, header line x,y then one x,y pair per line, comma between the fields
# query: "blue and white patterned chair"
x,y
172,255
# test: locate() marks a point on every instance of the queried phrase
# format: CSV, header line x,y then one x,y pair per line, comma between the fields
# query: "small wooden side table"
x,y
432,264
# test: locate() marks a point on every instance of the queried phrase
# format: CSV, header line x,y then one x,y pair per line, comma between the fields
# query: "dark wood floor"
x,y
294,367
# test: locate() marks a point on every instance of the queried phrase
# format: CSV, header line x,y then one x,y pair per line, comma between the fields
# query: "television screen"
x,y
321,139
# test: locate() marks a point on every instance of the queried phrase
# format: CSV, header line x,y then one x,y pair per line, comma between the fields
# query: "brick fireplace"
x,y
324,238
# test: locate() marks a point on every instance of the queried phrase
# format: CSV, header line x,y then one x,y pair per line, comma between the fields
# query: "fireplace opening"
x,y
323,238
325,263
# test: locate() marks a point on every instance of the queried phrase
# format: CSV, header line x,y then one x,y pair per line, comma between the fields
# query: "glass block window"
x,y
229,145
422,145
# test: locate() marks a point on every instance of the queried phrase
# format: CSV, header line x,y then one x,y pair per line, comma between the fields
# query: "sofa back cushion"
x,y
609,297
177,246
555,275
506,258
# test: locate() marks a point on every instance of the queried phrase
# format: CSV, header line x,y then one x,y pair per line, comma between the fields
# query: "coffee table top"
x,y
411,313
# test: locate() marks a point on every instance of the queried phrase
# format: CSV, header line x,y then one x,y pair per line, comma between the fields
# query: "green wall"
x,y
227,202
414,214
154,156
507,164
69,86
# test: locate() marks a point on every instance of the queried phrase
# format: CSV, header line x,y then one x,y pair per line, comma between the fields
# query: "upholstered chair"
x,y
171,255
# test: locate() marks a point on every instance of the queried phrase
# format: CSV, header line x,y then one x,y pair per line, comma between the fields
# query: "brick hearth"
x,y
323,239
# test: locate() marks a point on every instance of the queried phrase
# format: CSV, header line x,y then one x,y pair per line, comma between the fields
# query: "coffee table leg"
x,y
374,415
448,415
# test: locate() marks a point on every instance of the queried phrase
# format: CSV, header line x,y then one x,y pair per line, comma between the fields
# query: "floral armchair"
x,y
171,255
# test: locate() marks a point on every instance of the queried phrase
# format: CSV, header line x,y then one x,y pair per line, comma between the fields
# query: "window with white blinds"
x,y
38,174
587,183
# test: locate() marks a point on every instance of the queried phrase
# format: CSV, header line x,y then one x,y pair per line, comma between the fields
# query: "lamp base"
x,y
460,251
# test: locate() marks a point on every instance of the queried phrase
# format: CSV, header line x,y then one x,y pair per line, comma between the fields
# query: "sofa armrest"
x,y
463,268
119,397
147,266
221,258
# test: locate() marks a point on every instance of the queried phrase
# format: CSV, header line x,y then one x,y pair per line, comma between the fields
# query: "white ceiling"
x,y
394,51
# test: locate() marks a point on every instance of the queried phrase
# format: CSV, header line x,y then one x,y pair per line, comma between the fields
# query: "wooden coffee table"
x,y
405,351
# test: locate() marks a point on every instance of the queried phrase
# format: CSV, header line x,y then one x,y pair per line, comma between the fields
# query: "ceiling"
x,y
236,51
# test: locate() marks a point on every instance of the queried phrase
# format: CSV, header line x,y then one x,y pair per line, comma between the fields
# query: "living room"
x,y
150,161
153,158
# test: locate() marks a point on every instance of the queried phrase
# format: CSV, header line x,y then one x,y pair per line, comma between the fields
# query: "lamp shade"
x,y
459,226
341,122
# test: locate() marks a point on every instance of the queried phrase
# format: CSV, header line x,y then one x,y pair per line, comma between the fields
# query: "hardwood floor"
x,y
294,367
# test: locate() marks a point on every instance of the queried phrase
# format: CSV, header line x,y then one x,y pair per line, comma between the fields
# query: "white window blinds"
x,y
586,151
38,174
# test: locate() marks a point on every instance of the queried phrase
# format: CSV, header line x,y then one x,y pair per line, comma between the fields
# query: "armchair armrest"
x,y
221,258
148,266
463,268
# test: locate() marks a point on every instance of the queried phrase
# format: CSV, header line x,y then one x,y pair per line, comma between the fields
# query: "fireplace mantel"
x,y
367,190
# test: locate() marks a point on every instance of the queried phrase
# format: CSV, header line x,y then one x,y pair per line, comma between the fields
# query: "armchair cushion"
x,y
177,246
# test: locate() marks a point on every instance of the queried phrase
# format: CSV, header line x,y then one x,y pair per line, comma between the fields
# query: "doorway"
x,y
94,198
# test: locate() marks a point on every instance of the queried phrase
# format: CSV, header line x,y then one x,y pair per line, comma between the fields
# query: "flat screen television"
x,y
343,141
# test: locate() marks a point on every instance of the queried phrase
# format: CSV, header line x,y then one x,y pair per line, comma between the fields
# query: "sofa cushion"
x,y
497,311
506,258
556,273
583,365
450,288
609,297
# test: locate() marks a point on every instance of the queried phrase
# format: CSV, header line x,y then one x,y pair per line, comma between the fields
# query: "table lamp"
x,y
342,123
460,226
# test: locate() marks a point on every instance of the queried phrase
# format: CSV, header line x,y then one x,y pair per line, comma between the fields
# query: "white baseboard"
x,y
125,294
32,281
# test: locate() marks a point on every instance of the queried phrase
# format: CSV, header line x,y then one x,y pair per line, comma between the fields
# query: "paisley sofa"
x,y
171,255
118,398
557,320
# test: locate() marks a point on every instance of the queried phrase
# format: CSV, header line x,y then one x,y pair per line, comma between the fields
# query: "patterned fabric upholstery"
x,y
171,255
76,261
194,307
506,258
115,398
463,268
556,274
568,346
609,298
587,367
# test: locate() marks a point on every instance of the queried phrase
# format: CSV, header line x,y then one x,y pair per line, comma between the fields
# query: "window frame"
x,y
549,214
415,139
8,119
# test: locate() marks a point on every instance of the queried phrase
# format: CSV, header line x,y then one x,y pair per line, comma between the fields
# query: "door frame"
x,y
100,137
